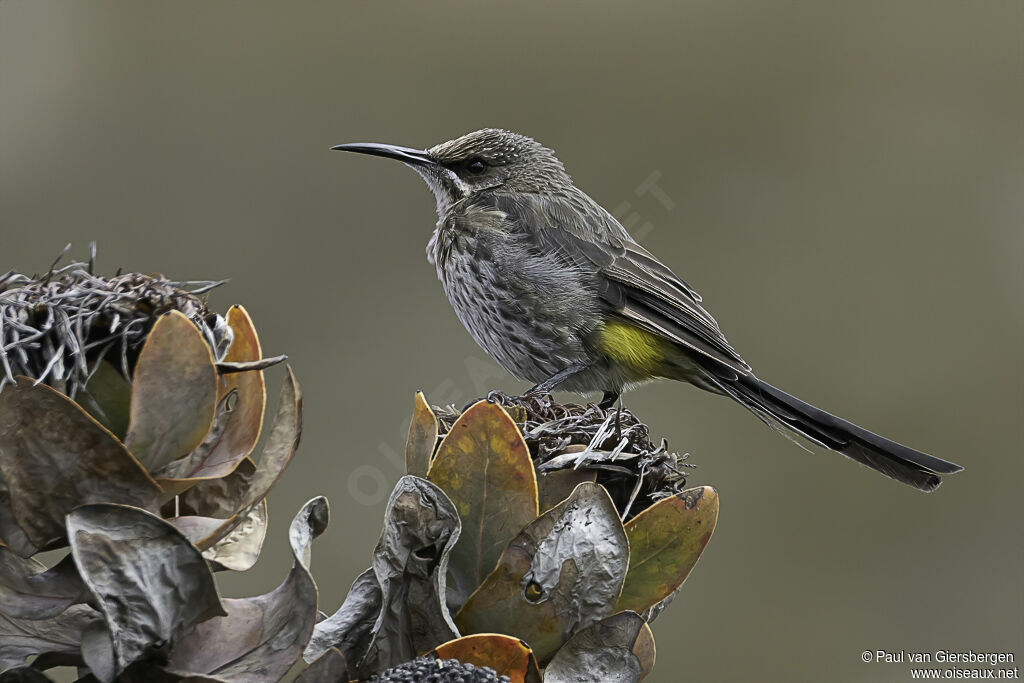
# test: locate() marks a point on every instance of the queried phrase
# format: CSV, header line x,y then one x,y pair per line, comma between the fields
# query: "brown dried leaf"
x,y
278,451
561,574
262,637
619,649
555,486
11,534
25,674
410,562
62,634
351,627
174,393
330,667
217,497
29,590
244,422
240,549
484,467
396,610
508,656
665,542
419,445
151,584
48,443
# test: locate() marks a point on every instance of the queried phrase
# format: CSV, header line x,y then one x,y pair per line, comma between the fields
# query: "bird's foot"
x,y
609,400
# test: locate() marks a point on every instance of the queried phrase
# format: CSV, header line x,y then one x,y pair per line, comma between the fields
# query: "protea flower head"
x,y
534,538
129,413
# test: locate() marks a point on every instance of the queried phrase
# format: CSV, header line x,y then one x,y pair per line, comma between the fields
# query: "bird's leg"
x,y
552,382
609,399
618,420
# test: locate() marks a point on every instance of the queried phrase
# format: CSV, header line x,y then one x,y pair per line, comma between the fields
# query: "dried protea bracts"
x,y
56,328
127,425
572,443
537,574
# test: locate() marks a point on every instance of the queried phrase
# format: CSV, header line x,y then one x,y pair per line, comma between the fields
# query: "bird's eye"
x,y
476,166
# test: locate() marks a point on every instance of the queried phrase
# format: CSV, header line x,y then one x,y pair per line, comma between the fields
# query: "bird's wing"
x,y
634,285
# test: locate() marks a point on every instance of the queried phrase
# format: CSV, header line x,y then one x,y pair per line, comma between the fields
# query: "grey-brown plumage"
x,y
553,287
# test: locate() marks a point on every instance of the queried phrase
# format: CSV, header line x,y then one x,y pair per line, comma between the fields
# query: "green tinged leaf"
x,y
108,397
419,445
665,542
484,467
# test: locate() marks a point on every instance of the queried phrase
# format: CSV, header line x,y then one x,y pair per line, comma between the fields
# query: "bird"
x,y
556,290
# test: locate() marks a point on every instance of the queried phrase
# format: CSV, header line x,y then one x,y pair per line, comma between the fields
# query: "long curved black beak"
x,y
406,155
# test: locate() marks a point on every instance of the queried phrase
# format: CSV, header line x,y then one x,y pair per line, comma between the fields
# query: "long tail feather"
x,y
892,459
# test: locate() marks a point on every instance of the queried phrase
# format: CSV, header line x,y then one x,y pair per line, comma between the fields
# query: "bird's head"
x,y
482,161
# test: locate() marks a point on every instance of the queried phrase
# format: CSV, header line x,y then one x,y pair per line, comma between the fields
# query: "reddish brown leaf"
x,y
242,429
508,656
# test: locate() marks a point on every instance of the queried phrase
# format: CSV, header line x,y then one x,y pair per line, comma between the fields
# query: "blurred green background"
x,y
842,181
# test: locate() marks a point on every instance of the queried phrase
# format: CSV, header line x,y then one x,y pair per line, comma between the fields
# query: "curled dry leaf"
x,y
48,443
60,635
174,393
561,574
619,649
351,627
508,656
221,497
219,456
239,550
419,445
278,450
330,667
261,638
421,527
29,590
484,467
396,610
665,542
151,584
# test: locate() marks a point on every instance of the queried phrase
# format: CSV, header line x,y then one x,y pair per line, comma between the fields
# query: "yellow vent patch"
x,y
638,350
